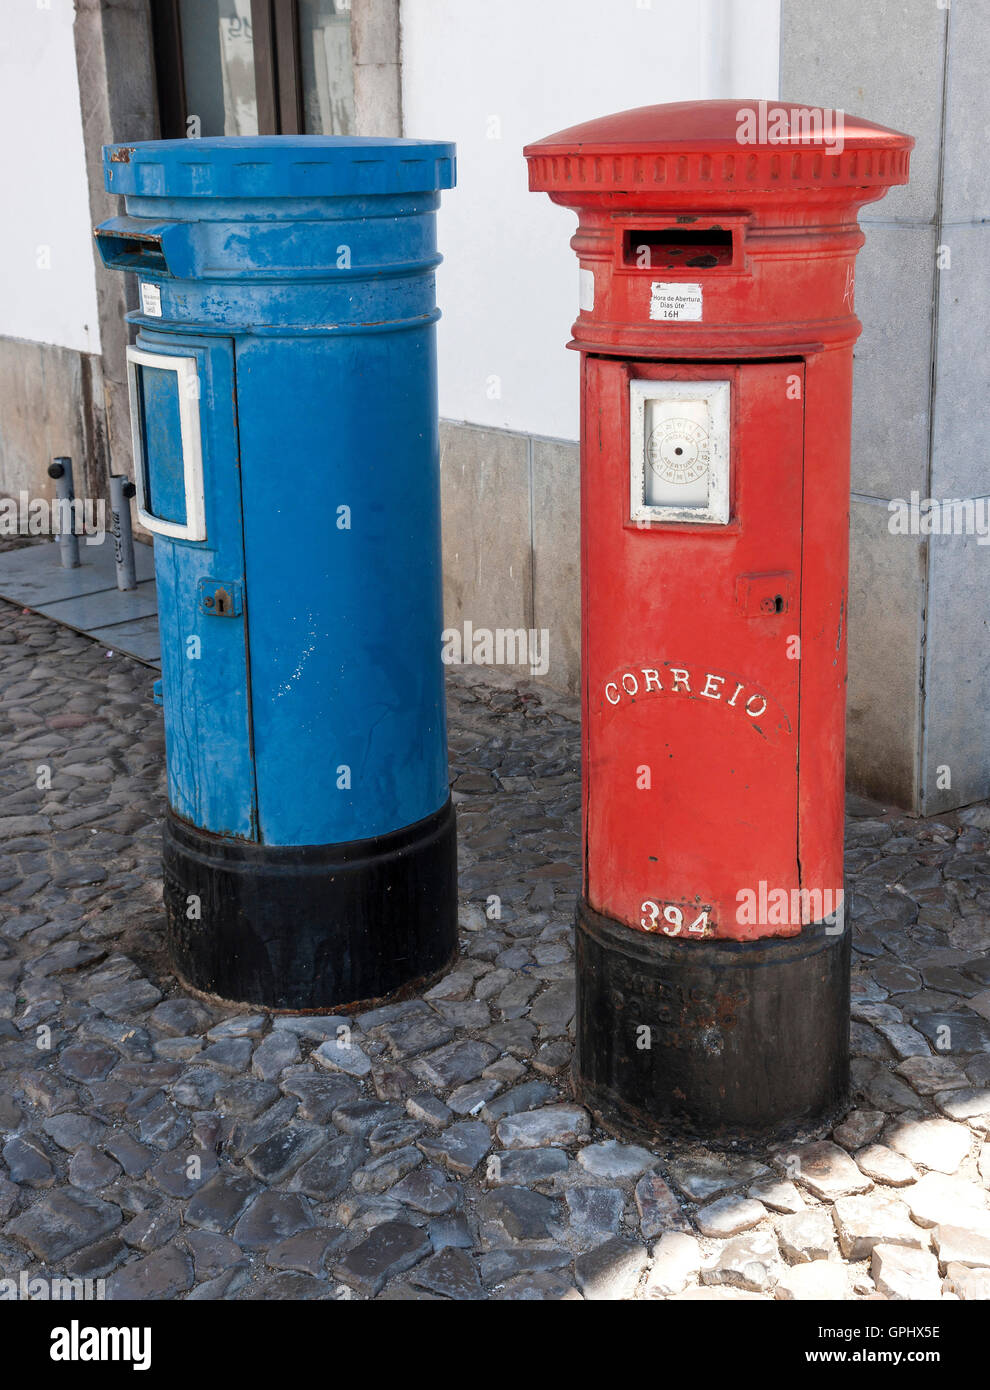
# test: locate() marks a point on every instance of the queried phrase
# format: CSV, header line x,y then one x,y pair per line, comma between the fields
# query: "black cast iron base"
x,y
732,1043
319,927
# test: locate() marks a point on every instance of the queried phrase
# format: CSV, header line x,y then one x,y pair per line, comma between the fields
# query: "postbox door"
x,y
187,471
692,518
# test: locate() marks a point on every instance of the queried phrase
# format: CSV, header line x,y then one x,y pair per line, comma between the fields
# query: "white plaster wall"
x,y
494,76
47,275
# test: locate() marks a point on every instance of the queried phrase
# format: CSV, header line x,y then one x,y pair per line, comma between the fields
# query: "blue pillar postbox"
x,y
284,420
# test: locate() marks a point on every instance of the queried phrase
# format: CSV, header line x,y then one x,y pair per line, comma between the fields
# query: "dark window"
x,y
253,67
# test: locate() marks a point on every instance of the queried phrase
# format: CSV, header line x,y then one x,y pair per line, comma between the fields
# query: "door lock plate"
x,y
764,595
220,598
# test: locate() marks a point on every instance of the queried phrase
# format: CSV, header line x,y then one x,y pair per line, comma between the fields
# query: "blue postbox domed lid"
x,y
278,166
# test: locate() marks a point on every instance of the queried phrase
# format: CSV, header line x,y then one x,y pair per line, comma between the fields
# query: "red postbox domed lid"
x,y
719,145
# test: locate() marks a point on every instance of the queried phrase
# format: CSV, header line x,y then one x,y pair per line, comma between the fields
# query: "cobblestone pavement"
x,y
181,1151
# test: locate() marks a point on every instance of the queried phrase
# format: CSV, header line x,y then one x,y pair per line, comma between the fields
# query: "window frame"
x,y
187,386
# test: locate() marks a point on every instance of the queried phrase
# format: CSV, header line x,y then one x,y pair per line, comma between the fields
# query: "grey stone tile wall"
x,y
43,391
960,457
919,677
882,60
556,561
883,707
895,284
511,539
957,673
966,178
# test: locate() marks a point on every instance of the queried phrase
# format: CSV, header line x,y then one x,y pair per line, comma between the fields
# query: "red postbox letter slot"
x,y
677,248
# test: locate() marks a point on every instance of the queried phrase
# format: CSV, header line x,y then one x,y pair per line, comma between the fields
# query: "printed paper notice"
x,y
586,285
673,299
151,301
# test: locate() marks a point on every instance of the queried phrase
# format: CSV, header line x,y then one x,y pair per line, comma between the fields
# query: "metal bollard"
x,y
121,491
60,469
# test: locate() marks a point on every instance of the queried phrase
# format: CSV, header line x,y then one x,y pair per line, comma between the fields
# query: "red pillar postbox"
x,y
717,243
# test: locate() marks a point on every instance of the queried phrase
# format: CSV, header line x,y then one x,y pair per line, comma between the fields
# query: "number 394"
x,y
669,919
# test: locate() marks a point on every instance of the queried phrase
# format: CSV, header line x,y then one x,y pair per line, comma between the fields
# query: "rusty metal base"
x,y
731,1043
311,928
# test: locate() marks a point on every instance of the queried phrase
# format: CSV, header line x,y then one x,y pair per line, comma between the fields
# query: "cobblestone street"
x,y
185,1151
